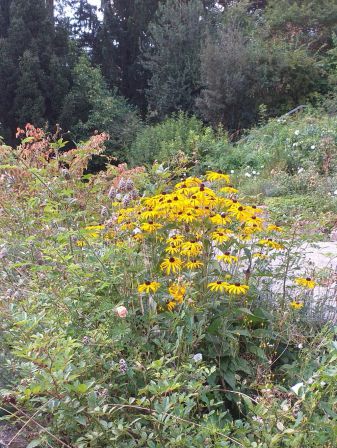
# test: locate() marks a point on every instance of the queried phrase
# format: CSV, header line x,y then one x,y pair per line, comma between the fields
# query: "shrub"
x,y
179,133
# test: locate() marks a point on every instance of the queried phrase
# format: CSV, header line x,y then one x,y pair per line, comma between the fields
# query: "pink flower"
x,y
121,311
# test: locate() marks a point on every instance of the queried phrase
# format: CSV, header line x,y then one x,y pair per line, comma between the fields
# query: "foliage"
x,y
175,135
173,57
138,311
90,107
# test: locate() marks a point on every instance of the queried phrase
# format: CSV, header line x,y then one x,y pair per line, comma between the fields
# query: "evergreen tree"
x,y
4,17
33,89
173,56
124,29
29,102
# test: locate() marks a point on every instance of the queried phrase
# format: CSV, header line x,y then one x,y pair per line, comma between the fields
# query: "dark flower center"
x,y
172,260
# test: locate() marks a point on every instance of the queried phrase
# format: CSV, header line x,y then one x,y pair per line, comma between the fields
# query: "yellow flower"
x,y
271,243
220,219
98,227
175,239
187,217
81,243
148,214
220,235
151,226
173,248
171,264
227,258
296,305
148,287
229,189
171,305
237,289
260,255
194,264
109,235
191,248
218,286
177,292
306,282
138,236
239,213
94,230
274,228
214,176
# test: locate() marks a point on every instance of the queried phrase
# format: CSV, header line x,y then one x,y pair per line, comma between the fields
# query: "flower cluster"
x,y
199,231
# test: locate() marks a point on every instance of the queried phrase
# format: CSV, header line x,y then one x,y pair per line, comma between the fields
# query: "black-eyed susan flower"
x,y
176,239
271,243
177,291
220,219
151,226
94,231
193,264
227,258
260,255
295,305
221,235
213,176
191,248
306,282
148,287
173,264
187,217
218,286
229,190
274,228
171,305
237,288
240,213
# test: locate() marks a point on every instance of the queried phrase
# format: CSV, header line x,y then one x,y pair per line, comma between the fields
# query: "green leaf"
x,y
81,388
33,443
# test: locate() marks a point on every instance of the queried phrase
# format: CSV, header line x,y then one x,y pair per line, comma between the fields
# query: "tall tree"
x,y
29,101
4,17
33,65
172,58
124,28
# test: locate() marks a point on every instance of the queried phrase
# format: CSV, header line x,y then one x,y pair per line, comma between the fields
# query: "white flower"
x,y
295,144
312,146
300,170
297,132
254,172
248,175
197,357
335,192
232,171
300,346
